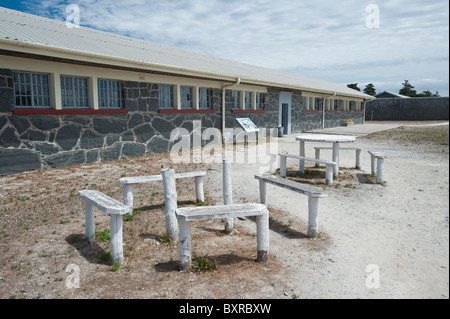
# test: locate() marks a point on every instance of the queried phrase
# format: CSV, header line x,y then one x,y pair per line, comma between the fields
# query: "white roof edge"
x,y
27,45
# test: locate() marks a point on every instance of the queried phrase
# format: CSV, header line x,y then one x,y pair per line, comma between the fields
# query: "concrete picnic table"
x,y
323,138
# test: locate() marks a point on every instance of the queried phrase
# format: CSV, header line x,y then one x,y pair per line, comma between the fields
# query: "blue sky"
x,y
323,39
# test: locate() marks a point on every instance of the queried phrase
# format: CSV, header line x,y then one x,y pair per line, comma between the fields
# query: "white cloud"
x,y
322,39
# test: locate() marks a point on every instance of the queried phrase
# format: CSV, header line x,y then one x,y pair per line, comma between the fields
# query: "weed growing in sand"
x,y
203,263
115,267
103,235
164,239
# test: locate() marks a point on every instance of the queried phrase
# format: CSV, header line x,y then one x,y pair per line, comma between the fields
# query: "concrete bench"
x,y
313,194
329,165
357,149
113,208
379,171
188,214
128,183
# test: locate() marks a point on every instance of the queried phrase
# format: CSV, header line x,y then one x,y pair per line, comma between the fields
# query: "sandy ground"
x,y
376,241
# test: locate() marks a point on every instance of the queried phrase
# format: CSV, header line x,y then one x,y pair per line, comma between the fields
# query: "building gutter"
x,y
238,81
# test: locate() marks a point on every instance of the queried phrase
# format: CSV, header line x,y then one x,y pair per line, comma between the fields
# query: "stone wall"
x,y
412,109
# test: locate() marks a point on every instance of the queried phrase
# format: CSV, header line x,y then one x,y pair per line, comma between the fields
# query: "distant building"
x,y
390,95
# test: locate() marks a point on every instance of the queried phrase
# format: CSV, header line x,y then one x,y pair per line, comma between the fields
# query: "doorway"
x,y
284,118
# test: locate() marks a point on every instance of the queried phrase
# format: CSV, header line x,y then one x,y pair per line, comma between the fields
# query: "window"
x,y
235,99
165,96
109,94
74,92
187,97
318,103
260,100
31,89
305,101
338,104
204,98
352,105
248,101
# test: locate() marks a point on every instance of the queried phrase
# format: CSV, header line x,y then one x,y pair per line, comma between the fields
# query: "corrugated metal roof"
x,y
19,27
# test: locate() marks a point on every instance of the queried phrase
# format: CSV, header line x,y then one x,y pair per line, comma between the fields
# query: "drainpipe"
x,y
238,81
323,109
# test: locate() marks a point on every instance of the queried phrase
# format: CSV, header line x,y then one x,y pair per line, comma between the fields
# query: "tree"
x,y
354,86
370,89
407,89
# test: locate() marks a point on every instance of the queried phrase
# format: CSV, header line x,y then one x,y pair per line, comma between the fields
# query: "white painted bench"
x,y
329,165
313,194
128,183
357,149
188,214
379,171
112,207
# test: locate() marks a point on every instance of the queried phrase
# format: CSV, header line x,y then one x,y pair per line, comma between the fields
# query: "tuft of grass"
x,y
103,235
164,239
115,267
203,263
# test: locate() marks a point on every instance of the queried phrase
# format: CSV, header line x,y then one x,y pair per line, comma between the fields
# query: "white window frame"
x,y
187,97
76,98
36,90
172,98
208,101
109,94
260,100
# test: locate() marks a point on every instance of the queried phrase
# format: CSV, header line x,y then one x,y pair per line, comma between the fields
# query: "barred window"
x,y
260,100
248,101
235,99
204,98
74,92
352,105
31,89
338,104
165,96
318,103
187,97
109,94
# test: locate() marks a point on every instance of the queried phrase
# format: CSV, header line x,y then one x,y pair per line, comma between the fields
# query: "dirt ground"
x,y
399,227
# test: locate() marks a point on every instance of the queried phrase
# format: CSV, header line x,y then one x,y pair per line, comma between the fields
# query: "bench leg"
x,y
262,192
185,253
358,159
170,203
227,192
262,229
301,163
329,174
313,221
372,164
116,239
273,163
317,156
336,158
89,221
380,168
199,189
283,160
128,195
